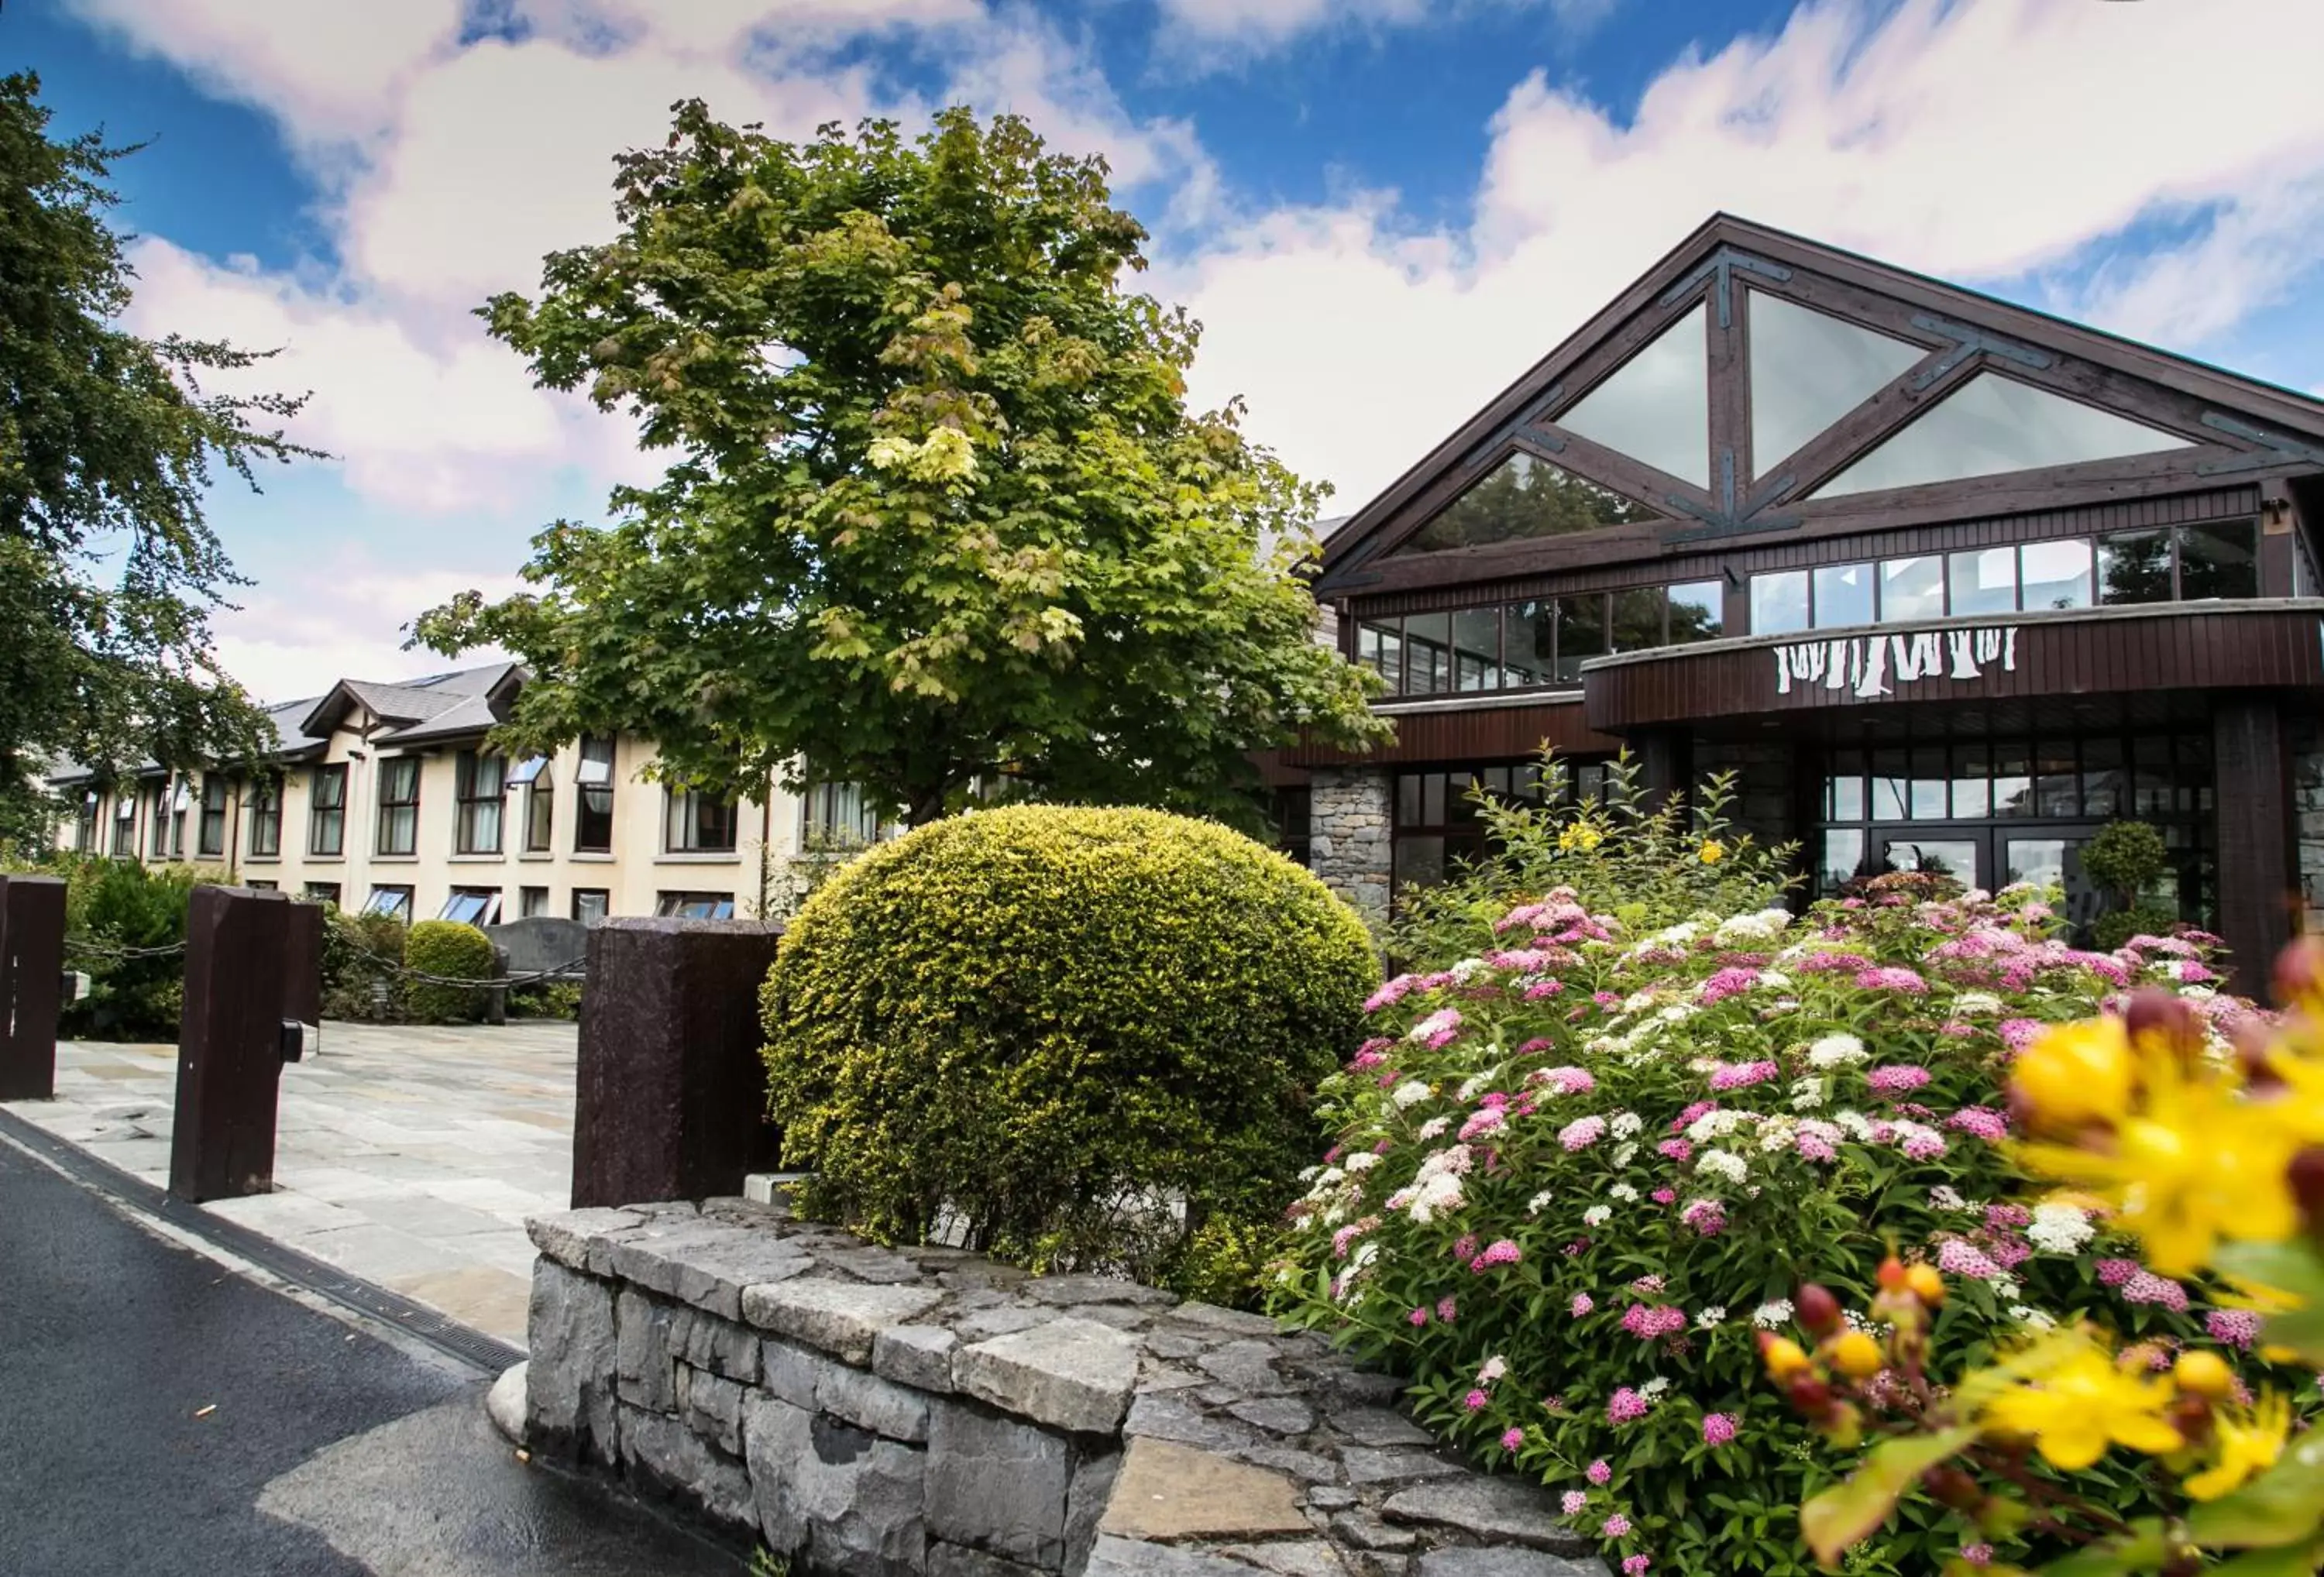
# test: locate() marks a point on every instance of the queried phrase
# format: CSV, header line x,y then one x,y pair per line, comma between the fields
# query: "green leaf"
x,y
2286,1561
2142,1551
1844,1514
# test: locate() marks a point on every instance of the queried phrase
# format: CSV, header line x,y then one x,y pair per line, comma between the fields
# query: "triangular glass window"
x,y
1523,497
1656,406
1808,370
1992,424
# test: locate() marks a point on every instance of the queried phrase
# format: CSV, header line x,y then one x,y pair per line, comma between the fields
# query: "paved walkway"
x,y
406,1155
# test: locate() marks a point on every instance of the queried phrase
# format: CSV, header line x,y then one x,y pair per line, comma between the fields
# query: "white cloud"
x,y
342,617
1976,140
1214,33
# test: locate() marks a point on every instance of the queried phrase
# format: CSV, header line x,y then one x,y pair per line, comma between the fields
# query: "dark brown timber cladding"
x,y
1480,733
2258,884
2173,647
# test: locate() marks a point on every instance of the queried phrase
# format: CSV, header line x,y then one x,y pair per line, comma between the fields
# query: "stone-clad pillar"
x,y
1349,834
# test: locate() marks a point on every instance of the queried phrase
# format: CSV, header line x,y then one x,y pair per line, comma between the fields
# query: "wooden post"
x,y
670,1097
252,959
32,967
2252,792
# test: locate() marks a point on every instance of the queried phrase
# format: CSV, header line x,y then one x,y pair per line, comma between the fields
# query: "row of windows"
x,y
482,906
2173,564
1522,645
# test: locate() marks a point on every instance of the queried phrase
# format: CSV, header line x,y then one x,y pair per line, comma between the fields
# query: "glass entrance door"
x,y
1992,857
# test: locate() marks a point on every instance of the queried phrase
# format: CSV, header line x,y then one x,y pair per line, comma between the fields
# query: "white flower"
x,y
1836,1051
1721,1165
1601,1045
2004,1284
1440,1192
1495,1367
1762,926
1434,1127
1408,1096
1969,1003
1854,1124
1638,1001
1776,1134
1942,1198
1711,1316
1472,1088
1772,980
1783,1005
1533,1206
1713,1125
1807,1093
2059,1229
1464,972
1772,1314
1627,1125
1624,1192
1623,1154
1442,1019
1331,1178
1678,1012
2196,993
1597,1215
1654,1388
1361,1161
2031,1318
1366,1252
1335,1215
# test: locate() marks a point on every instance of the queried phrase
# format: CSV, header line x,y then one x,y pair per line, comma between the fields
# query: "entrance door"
x,y
1992,857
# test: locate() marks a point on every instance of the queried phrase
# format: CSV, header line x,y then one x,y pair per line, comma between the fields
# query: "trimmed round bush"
x,y
453,950
1041,1030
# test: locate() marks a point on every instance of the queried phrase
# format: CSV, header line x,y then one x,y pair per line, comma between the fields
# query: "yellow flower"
x,y
2076,1074
1713,851
2244,1442
1581,836
2076,1407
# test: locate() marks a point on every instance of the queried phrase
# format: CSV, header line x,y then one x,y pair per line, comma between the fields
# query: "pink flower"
x,y
2236,1327
1622,1407
1445,1310
1634,1565
1817,1141
2018,1034
1740,1075
1543,988
1503,1251
1717,1428
1977,1554
1511,1439
1618,1526
1921,1145
1606,998
1573,1501
1999,1216
1475,1401
1598,1472
1685,1119
1675,1149
1957,1029
1582,1305
2114,1272
1893,979
2146,1287
1726,983
1664,1196
1465,1246
1365,1059
1417,1318
1823,962
1648,1321
1980,1120
1895,1078
1706,1216
1481,1122
1566,1081
1647,1285
1582,1132
1958,1258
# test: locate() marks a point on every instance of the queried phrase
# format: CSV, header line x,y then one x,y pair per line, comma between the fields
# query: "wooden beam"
x,y
2252,788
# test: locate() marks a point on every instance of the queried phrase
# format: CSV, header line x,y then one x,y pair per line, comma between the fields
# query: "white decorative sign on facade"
x,y
1870,664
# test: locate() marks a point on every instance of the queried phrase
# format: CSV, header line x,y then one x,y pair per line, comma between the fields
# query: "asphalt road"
x,y
149,1398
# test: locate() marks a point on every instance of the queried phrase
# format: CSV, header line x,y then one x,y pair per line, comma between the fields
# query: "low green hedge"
x,y
455,951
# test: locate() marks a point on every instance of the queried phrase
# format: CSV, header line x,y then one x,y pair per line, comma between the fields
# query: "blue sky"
x,y
1382,210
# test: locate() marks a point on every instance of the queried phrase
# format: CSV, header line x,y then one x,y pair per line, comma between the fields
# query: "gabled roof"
x,y
2210,422
439,706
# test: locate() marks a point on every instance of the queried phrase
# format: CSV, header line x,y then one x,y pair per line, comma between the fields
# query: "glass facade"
x,y
1992,424
1808,370
1435,826
1527,645
1655,407
1519,500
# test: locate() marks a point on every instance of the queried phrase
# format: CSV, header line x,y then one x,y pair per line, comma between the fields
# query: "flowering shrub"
x,y
1579,1171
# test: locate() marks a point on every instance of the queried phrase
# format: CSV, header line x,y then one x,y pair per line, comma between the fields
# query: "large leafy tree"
x,y
108,571
937,512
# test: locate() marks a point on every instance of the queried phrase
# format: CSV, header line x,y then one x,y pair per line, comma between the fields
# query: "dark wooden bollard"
x,y
669,1098
31,993
253,960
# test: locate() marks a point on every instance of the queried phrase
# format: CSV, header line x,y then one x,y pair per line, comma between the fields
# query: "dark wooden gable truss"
x,y
1757,497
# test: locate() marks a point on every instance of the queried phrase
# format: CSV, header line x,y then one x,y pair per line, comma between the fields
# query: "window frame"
x,y
331,811
398,814
209,828
675,905
477,809
266,791
579,902
588,790
683,812
401,910
486,902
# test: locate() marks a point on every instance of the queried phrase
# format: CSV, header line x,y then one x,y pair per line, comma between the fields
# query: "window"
x,y
693,823
2219,560
1698,612
2053,575
1292,810
1912,589
212,830
1993,424
1436,822
472,905
531,902
590,905
1581,633
480,796
171,799
694,906
539,787
1983,580
394,902
1520,499
399,804
85,824
264,886
2034,575
124,824
1843,595
593,775
326,810
1808,370
837,813
1522,645
1779,603
266,815
181,800
1656,406
323,892
2135,566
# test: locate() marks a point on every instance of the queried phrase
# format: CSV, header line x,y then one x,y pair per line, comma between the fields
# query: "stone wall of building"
x,y
873,1413
2305,740
1350,812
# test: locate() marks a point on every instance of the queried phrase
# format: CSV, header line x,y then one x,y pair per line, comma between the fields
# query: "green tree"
x,y
108,570
937,511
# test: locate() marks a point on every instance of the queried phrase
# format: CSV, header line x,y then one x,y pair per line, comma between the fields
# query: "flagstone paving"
x,y
408,1156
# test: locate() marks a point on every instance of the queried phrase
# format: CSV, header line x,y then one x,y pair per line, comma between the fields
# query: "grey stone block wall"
x,y
1349,833
872,1413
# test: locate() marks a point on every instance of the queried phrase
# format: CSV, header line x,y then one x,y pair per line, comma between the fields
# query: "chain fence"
x,y
569,970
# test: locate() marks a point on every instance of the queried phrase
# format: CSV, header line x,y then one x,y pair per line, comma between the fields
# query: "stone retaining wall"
x,y
863,1410
1350,834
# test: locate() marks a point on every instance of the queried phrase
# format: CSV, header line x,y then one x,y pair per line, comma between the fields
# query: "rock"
x,y
1379,1427
642,1361
1365,1466
1071,1374
1299,1464
959,1561
1327,1498
712,1407
997,1485
565,1236
1276,1414
662,1456
1168,1416
720,1346
1171,1491
1093,1289
1366,1531
793,1373
1500,1511
1085,1503
640,1253
711,1274
1231,1321
1171,1344
1247,1366
1001,1320
1121,1316
883,1267
869,1402
1154,1378
1116,1557
504,1403
838,1316
842,1498
568,1391
1306,1558
1501,1563
915,1355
